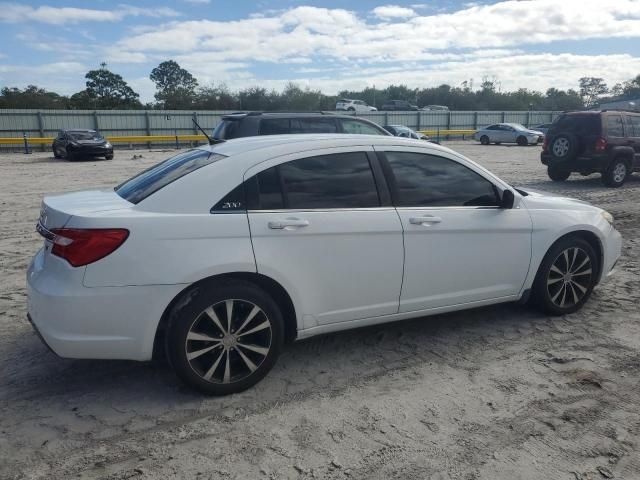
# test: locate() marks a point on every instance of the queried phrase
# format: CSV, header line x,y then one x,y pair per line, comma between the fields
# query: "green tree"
x,y
31,97
106,90
591,89
176,87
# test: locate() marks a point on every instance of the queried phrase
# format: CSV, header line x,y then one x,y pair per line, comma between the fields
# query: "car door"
x,y
322,229
633,127
493,132
460,246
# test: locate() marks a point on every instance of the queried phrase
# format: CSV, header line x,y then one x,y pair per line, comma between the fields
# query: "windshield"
x,y
90,135
153,179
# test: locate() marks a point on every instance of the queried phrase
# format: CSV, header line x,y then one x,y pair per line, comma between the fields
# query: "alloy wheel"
x,y
228,341
569,277
561,147
619,172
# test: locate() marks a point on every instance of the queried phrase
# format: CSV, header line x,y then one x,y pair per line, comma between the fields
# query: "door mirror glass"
x,y
508,198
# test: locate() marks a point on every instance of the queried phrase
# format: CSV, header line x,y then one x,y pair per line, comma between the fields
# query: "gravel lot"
x,y
493,393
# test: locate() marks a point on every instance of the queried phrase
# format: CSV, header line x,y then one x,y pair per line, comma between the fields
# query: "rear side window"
x,y
614,126
313,125
159,176
341,180
362,128
420,180
274,126
634,122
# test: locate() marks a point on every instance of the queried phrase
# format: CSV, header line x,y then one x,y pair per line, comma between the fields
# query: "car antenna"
x,y
212,141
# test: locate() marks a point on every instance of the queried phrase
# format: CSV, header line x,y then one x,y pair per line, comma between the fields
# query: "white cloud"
x,y
393,11
17,13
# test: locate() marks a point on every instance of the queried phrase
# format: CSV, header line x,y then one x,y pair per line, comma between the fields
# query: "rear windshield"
x,y
159,176
579,124
227,129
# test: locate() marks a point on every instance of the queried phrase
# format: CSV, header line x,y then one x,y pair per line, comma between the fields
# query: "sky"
x,y
331,45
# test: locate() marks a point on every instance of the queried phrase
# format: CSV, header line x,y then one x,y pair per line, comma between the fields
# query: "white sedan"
x,y
508,133
221,255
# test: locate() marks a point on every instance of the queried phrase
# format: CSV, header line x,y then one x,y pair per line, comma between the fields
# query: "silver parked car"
x,y
508,133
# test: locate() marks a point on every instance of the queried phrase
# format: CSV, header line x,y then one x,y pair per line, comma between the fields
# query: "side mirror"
x,y
508,198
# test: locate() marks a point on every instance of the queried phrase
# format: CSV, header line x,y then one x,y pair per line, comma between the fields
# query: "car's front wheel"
x,y
224,338
566,276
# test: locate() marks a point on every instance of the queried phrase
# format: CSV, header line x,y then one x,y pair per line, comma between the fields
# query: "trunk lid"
x,y
57,210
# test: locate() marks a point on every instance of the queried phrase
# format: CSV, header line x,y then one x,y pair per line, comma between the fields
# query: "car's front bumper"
x,y
612,249
102,322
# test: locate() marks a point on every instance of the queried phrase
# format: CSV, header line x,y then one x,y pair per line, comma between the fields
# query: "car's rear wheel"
x,y
484,140
566,276
558,174
226,338
522,141
616,173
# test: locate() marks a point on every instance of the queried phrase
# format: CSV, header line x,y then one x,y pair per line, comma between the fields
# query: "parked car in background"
x,y
543,127
222,254
78,143
508,133
605,142
402,105
264,123
402,131
354,106
435,108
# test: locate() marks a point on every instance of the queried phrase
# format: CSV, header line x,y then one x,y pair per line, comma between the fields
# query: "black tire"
x,y
616,173
55,154
558,174
551,292
484,140
522,141
498,143
109,157
191,317
563,147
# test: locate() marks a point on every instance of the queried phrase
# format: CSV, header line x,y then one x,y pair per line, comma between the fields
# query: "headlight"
x,y
107,144
608,217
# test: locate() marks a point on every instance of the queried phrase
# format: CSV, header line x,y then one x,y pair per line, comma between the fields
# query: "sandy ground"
x,y
494,393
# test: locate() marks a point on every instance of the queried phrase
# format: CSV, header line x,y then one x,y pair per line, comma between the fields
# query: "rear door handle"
x,y
288,223
424,220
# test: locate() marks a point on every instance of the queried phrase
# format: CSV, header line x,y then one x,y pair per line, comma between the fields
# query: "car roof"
x,y
297,142
77,130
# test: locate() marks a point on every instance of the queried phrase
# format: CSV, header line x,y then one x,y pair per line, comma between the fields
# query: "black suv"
x,y
77,143
606,141
401,105
250,124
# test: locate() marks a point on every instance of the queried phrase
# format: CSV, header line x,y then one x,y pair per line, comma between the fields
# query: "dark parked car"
x,y
258,123
74,144
398,105
606,142
543,127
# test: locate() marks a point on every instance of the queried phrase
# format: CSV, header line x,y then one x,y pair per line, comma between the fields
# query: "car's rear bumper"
x,y
595,162
81,322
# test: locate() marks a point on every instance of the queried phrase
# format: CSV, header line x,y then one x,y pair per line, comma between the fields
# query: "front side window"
x,y
614,126
159,176
420,180
354,126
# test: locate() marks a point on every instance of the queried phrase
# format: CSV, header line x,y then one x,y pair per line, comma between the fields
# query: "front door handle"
x,y
288,223
424,220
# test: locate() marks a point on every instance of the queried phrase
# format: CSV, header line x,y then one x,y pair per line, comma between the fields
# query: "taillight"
x,y
545,144
84,246
601,145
